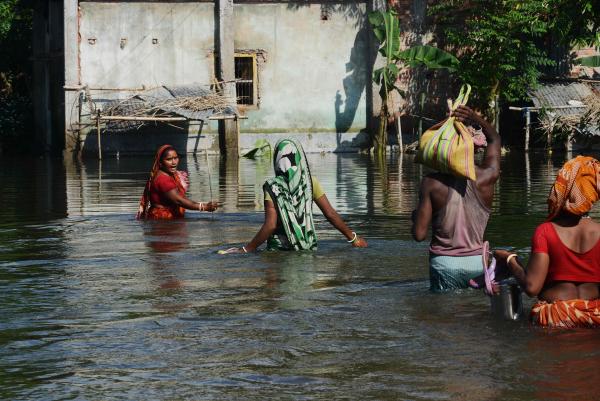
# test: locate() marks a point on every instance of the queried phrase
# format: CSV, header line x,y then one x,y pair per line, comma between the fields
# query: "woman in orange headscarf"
x,y
164,194
564,267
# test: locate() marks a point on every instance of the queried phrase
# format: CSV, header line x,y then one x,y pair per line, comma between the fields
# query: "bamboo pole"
x,y
130,118
527,128
545,108
98,133
228,117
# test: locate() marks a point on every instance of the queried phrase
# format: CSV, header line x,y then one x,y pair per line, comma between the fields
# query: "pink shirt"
x,y
458,228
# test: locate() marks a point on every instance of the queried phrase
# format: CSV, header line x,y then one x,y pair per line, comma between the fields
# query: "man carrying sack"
x,y
455,201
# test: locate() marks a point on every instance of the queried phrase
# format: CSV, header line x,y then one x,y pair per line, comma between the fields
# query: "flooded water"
x,y
98,306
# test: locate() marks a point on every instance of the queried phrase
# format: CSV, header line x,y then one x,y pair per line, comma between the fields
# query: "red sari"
x,y
157,185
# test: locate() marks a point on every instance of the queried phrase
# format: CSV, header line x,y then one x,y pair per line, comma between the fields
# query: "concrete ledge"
x,y
146,140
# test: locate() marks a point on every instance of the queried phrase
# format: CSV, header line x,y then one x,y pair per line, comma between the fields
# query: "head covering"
x,y
291,191
576,188
478,136
180,181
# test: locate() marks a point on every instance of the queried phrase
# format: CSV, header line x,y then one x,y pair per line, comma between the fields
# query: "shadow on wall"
x,y
358,80
143,141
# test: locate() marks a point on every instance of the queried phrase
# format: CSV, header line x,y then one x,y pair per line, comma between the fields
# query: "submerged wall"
x,y
312,68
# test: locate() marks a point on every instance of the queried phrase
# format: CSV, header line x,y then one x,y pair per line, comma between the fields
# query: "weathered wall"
x,y
314,73
313,70
117,48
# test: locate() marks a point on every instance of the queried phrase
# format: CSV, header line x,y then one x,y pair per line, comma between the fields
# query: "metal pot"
x,y
508,304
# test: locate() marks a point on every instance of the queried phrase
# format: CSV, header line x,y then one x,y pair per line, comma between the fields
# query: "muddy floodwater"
x,y
98,306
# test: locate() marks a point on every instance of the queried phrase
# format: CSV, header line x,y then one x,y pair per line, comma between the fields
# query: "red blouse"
x,y
565,264
161,184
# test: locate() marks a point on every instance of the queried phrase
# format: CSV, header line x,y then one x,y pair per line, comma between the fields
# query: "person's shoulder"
x,y
543,228
593,227
160,176
163,181
437,180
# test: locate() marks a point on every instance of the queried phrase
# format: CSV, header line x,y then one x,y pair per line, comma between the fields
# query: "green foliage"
x,y
7,16
498,45
591,61
429,56
15,117
386,27
575,22
15,36
261,148
15,71
502,43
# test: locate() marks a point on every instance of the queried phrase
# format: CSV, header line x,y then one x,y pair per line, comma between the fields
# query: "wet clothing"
x,y
452,272
317,190
567,314
157,185
291,191
457,237
457,228
576,188
565,264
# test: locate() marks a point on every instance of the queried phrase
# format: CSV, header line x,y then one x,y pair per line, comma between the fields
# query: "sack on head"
x,y
449,147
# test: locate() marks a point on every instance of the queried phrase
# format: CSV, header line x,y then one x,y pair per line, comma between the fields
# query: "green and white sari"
x,y
291,191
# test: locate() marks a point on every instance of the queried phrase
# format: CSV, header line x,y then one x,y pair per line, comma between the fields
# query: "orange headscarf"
x,y
145,199
576,188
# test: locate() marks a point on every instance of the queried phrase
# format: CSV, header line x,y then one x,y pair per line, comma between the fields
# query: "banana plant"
x,y
386,27
262,147
590,61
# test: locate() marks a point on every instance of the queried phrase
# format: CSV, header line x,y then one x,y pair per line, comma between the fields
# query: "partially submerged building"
x,y
297,68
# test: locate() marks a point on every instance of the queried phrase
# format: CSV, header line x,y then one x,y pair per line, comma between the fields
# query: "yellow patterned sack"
x,y
448,146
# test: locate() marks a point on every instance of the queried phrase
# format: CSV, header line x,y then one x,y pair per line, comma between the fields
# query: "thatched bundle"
x,y
585,124
155,107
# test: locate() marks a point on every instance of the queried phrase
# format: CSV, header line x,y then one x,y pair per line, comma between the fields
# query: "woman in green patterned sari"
x,y
289,198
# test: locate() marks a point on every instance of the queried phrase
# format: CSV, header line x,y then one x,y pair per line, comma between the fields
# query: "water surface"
x,y
99,306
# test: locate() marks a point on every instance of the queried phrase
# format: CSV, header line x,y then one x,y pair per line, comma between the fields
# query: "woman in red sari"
x,y
164,194
564,267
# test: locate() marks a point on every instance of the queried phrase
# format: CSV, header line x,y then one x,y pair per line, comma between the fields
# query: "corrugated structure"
x,y
565,98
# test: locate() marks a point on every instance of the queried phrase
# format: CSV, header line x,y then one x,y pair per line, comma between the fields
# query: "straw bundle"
x,y
134,107
584,124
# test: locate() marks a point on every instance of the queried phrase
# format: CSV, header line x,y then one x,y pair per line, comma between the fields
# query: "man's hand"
x,y
466,115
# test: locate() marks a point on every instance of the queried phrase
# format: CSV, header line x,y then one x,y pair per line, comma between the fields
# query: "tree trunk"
x,y
380,138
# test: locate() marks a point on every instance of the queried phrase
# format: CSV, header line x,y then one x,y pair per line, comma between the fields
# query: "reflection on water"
x,y
96,305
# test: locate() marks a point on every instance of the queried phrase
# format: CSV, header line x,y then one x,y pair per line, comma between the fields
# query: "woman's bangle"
x,y
200,206
244,249
509,258
354,237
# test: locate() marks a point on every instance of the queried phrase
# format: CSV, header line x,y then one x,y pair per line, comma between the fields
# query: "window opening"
x,y
245,78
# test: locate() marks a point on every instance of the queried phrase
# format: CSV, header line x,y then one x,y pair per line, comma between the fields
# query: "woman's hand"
x,y
209,206
231,250
360,242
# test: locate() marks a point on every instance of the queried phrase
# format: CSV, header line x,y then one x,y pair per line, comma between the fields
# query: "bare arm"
x,y
421,216
531,280
267,229
334,218
175,197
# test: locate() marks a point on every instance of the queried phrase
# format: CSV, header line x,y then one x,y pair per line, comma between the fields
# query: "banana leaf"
x,y
261,148
430,56
386,27
591,61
